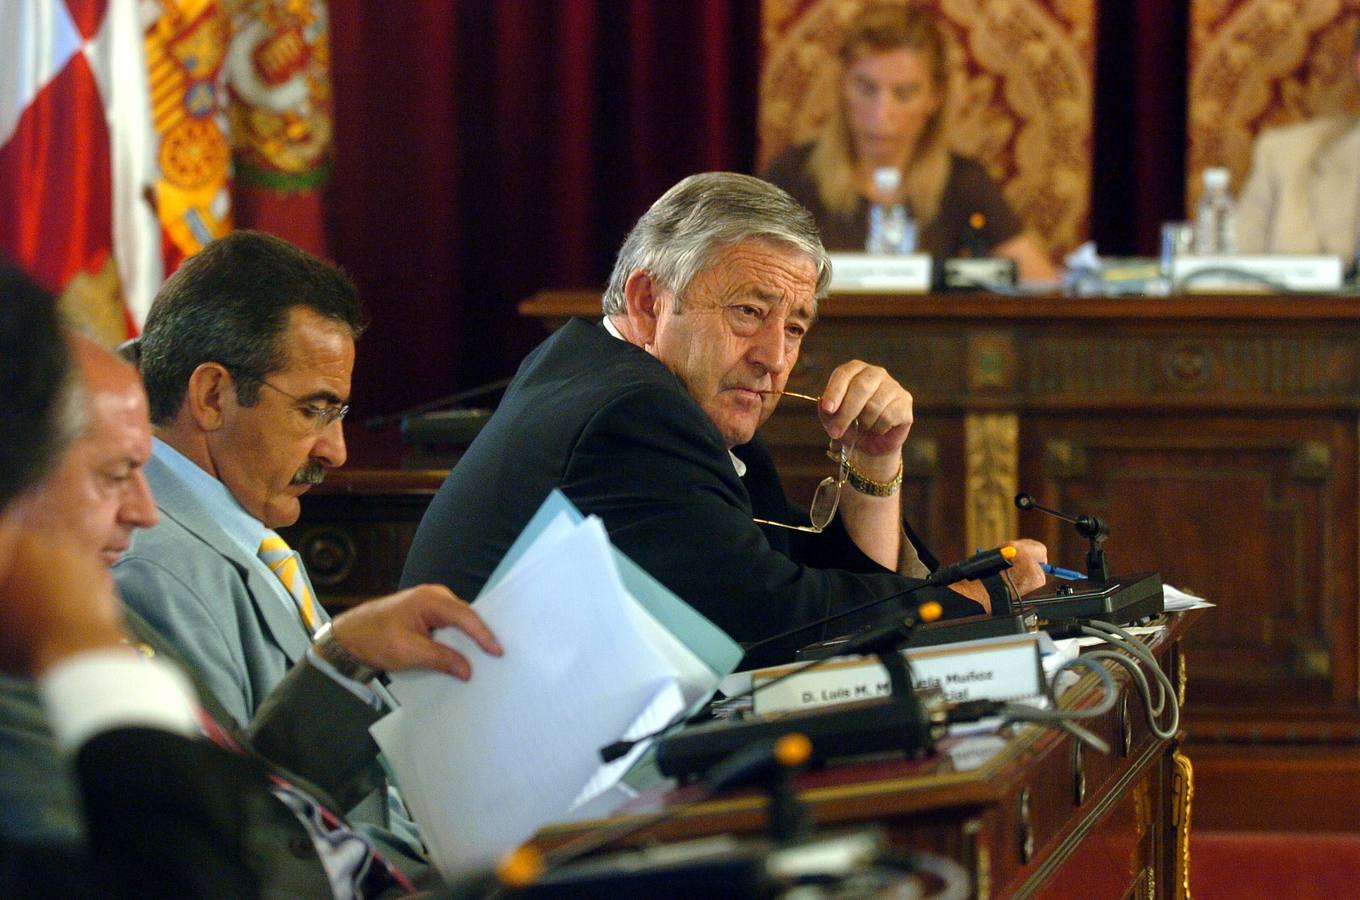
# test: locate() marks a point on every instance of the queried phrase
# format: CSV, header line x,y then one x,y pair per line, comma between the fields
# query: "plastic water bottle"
x,y
1216,218
891,227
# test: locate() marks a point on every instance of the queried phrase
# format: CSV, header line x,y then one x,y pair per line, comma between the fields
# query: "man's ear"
x,y
642,296
207,394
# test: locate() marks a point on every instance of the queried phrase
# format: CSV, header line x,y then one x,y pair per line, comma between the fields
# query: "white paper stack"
x,y
595,650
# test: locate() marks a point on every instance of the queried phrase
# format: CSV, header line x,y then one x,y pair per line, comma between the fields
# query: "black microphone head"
x,y
1024,501
1092,527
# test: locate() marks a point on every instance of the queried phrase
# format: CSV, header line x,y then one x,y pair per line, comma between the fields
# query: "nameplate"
x,y
868,273
1257,273
1004,668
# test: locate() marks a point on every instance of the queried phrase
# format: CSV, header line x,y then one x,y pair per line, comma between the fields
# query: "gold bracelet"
x,y
867,486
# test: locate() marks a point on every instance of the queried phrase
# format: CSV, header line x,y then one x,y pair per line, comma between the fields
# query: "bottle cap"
x,y
887,179
1216,177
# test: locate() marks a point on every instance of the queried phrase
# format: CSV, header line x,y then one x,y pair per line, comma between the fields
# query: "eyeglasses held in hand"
x,y
827,498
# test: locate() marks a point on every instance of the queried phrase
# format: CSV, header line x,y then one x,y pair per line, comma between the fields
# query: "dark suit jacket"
x,y
617,432
148,794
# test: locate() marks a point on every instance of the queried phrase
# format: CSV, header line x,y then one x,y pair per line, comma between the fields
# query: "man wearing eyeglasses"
x,y
246,357
649,421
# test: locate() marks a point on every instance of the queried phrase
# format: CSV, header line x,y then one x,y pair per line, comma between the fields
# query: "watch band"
x,y
868,486
331,650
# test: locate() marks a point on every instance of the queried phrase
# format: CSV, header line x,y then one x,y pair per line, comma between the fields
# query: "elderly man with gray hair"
x,y
649,421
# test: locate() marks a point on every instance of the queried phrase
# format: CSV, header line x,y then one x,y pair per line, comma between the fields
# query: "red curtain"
x,y
1138,167
487,149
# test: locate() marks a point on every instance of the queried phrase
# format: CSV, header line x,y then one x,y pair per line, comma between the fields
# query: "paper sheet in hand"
x,y
487,763
709,642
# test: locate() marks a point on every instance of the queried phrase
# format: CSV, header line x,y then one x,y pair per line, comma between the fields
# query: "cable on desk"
x,y
1166,693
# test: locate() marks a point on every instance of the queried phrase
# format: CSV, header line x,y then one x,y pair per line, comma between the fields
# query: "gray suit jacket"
x,y
1303,194
199,589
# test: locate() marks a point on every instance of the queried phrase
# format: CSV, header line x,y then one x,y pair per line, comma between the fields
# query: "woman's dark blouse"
x,y
969,189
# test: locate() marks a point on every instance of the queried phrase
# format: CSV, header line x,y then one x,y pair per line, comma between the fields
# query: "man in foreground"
x,y
650,422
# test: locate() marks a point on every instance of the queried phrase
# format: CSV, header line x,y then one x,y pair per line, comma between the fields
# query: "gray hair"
x,y
679,235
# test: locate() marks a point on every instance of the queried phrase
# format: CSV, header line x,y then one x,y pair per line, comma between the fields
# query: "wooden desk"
x,y
1035,817
1216,435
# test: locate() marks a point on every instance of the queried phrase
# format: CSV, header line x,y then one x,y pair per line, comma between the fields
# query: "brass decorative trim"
x,y
1078,775
1182,674
1025,826
976,849
1125,726
1182,793
991,477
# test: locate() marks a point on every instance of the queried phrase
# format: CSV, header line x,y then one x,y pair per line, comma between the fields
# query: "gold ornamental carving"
x,y
991,477
1311,461
1064,460
1182,794
1021,75
991,363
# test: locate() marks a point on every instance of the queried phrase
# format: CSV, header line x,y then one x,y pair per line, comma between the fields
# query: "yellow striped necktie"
x,y
284,563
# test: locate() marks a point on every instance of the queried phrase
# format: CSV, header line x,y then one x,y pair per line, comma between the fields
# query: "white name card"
x,y
1004,668
868,273
1297,273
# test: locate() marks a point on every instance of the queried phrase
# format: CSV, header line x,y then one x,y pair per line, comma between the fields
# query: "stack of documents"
x,y
595,650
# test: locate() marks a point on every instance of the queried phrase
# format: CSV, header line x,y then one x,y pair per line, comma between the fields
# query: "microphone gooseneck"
x,y
1093,529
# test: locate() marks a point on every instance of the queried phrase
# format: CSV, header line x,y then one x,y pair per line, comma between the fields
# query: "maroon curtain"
x,y
487,149
1138,161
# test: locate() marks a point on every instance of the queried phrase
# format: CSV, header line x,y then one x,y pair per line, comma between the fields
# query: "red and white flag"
x,y
120,121
76,154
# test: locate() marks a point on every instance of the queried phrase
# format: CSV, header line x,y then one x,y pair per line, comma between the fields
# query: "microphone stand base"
x,y
949,631
881,725
1120,600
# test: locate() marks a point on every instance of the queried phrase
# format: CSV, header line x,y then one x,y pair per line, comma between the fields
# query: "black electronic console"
x,y
881,725
1119,600
948,631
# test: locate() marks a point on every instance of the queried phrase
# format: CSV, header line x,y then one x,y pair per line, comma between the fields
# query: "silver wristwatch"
x,y
329,649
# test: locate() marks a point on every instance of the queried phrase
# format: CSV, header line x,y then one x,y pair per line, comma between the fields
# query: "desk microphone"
x,y
979,565
1094,530
1087,526
375,423
876,640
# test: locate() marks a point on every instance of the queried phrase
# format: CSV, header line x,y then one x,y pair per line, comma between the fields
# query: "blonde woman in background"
x,y
894,93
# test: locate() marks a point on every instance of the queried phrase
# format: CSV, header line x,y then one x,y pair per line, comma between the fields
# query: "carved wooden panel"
x,y
993,456
1240,509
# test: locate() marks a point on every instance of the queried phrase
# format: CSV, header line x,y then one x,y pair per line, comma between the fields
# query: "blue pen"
x,y
1060,572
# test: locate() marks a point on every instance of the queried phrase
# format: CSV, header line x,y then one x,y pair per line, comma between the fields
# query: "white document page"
x,y
495,759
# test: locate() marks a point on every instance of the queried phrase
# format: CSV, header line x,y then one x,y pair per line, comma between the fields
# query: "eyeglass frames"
x,y
321,417
827,498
